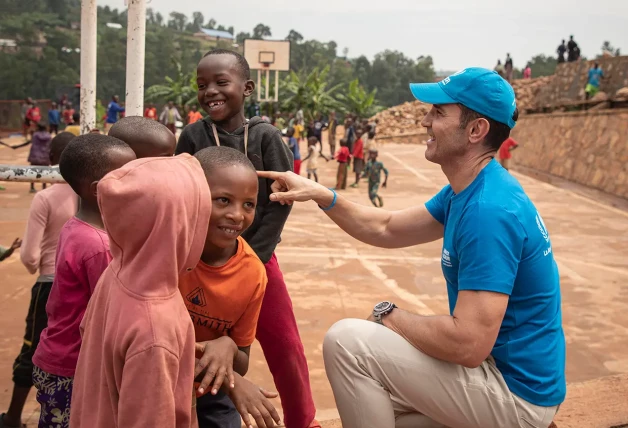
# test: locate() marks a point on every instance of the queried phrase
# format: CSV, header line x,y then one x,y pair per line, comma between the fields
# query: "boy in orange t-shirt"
x,y
194,115
224,294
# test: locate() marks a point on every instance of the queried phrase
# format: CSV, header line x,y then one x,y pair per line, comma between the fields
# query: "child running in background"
x,y
50,210
34,117
224,295
373,172
82,256
68,114
148,138
224,82
293,143
298,131
40,150
313,153
358,157
5,253
136,366
343,157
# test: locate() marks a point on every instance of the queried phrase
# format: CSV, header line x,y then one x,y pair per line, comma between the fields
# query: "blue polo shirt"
x,y
495,240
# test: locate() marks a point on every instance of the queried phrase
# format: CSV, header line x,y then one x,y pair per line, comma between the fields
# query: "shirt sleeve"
x,y
489,246
30,251
243,331
95,266
276,156
436,205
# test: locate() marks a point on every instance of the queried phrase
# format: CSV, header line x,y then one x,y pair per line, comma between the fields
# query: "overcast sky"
x,y
456,33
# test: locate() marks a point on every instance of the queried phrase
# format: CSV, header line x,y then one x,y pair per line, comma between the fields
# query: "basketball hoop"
x,y
267,56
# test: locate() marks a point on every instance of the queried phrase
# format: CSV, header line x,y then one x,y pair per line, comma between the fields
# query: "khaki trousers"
x,y
380,380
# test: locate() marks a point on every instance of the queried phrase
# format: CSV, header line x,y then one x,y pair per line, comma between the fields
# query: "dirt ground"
x,y
331,276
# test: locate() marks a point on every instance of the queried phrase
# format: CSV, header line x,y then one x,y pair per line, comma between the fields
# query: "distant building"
x,y
214,35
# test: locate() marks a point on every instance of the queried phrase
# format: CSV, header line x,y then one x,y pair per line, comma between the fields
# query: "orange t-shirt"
x,y
194,116
504,150
226,300
151,113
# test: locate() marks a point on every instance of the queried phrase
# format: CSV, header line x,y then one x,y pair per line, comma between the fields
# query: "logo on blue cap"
x,y
478,89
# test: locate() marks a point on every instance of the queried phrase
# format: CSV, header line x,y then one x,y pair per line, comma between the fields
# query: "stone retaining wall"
x,y
415,138
587,148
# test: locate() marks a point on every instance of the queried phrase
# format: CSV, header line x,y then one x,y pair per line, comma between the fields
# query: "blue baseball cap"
x,y
478,89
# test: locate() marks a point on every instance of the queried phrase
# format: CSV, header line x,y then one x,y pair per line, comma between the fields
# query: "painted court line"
x,y
391,284
412,170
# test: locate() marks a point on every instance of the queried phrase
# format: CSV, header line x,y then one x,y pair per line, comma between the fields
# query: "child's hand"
x,y
251,400
16,244
217,360
384,185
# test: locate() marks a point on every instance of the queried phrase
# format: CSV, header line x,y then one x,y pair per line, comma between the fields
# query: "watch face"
x,y
382,306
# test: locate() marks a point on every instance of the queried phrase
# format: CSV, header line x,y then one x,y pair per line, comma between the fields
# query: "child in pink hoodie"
x,y
136,365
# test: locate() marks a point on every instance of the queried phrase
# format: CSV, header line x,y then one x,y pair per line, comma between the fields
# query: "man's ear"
x,y
478,130
93,188
249,87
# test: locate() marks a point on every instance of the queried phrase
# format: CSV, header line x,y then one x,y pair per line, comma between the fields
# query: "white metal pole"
x,y
259,85
88,65
135,53
276,85
267,94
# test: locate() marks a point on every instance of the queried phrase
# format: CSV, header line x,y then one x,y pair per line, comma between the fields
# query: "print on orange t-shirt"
x,y
226,300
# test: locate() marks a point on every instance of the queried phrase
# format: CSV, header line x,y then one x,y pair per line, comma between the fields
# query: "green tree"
x,y
608,47
177,21
242,36
358,101
182,89
310,92
260,31
542,65
294,37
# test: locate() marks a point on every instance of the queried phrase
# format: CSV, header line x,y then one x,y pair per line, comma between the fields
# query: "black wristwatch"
x,y
381,309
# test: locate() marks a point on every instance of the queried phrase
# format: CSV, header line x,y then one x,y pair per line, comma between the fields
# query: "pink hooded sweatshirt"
x,y
136,365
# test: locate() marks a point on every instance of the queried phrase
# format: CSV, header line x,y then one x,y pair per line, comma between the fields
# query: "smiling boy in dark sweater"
x,y
224,82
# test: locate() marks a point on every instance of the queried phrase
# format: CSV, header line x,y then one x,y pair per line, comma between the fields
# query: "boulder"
x,y
622,93
600,96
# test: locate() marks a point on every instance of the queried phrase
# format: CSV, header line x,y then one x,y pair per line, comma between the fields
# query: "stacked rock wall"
x,y
589,148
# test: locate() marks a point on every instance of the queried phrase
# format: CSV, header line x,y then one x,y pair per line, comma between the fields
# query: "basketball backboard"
x,y
267,54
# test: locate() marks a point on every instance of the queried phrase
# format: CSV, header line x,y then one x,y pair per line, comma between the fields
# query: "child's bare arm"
x,y
241,360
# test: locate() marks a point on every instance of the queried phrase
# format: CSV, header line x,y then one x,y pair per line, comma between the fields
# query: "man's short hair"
x,y
215,157
86,159
498,132
59,143
76,116
243,65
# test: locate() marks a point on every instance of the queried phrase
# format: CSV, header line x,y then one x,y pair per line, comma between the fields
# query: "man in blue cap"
x,y
498,358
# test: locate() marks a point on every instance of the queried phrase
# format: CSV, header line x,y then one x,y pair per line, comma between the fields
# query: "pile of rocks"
x,y
526,91
406,118
402,119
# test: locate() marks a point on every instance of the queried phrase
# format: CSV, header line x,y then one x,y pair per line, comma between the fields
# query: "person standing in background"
x,y
54,118
593,81
169,117
573,51
150,112
331,133
504,152
561,52
112,112
508,68
26,123
527,72
194,115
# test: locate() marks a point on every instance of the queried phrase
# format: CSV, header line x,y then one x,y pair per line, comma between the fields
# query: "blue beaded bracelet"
x,y
333,202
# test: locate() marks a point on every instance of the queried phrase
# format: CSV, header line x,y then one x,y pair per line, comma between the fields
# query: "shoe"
x,y
3,425
33,191
315,424
354,185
